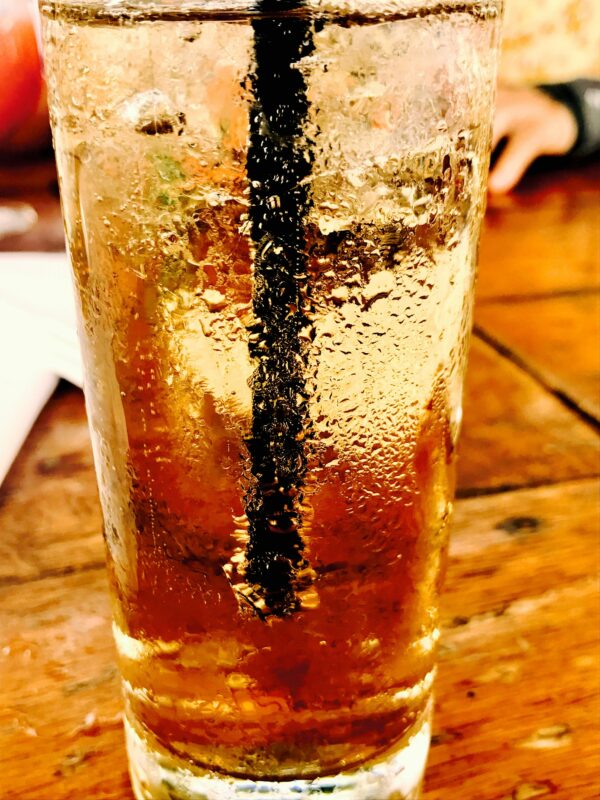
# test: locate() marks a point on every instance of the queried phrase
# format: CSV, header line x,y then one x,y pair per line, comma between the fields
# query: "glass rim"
x,y
97,10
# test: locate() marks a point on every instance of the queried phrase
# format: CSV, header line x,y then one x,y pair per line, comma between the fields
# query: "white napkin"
x,y
38,342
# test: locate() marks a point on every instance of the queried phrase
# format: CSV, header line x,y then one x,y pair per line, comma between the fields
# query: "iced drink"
x,y
273,213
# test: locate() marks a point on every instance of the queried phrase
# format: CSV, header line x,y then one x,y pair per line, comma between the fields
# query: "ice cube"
x,y
152,113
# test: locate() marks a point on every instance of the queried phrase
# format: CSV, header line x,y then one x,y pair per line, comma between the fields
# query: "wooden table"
x,y
518,709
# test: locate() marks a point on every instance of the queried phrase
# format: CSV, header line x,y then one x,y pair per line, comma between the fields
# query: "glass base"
x,y
159,776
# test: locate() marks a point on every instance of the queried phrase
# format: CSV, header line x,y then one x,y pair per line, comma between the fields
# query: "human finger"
x,y
520,151
503,124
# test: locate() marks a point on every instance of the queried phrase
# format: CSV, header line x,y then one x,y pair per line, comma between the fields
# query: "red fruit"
x,y
20,72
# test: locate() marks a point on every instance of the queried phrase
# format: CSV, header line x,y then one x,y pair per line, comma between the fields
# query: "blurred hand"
x,y
534,125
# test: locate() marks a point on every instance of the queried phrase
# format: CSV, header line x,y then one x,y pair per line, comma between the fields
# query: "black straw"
x,y
279,161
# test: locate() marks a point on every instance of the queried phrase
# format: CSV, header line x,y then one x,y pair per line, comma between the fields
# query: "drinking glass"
x,y
272,210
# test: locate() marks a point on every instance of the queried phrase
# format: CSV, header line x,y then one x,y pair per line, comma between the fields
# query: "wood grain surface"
x,y
519,685
518,693
516,432
545,336
557,248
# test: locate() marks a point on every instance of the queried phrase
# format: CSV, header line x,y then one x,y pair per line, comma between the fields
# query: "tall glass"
x,y
272,211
